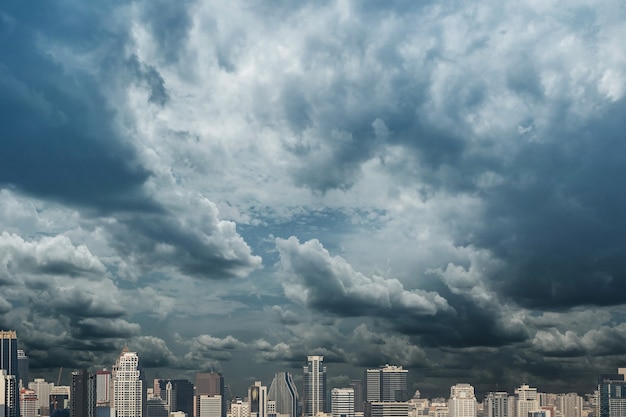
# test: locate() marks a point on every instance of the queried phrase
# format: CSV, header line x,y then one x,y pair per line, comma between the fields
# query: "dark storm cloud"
x,y
57,134
558,217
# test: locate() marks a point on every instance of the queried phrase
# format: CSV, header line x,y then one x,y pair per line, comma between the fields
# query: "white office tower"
x,y
283,391
240,408
462,401
496,404
314,386
8,398
129,387
388,409
210,405
43,390
526,400
28,403
342,402
257,395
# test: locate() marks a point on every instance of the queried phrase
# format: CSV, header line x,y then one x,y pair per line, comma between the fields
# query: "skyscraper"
x,y
571,405
210,384
181,391
342,402
42,389
8,395
28,402
462,401
612,391
103,388
8,362
83,394
22,368
386,384
314,386
258,400
129,387
357,386
284,393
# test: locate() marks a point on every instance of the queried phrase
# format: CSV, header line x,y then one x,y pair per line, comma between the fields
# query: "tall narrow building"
x,y
8,362
129,387
8,395
386,384
83,394
23,368
314,386
257,395
284,393
210,384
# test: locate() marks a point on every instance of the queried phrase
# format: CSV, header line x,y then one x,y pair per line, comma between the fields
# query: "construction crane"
x,y
59,378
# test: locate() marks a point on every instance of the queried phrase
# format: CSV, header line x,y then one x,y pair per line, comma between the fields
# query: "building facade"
x,y
342,402
210,384
9,362
284,393
314,386
129,387
462,402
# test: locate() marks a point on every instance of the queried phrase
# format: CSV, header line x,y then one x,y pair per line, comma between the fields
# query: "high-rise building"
x,y
342,402
28,402
526,400
496,404
388,409
373,387
462,402
612,393
209,406
60,401
83,394
129,387
43,390
314,386
284,393
179,397
257,395
8,362
103,388
386,384
570,405
240,408
8,398
210,384
22,368
357,386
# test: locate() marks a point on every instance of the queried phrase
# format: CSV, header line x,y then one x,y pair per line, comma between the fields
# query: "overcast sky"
x,y
235,185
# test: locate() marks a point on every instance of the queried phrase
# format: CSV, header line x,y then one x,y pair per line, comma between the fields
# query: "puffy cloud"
x,y
311,276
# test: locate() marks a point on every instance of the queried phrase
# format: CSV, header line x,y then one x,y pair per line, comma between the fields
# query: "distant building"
x,y
103,388
314,386
179,396
257,395
388,409
359,399
83,394
496,404
209,406
28,403
284,393
210,384
157,407
388,383
59,404
8,398
342,402
570,405
42,389
526,400
462,401
23,368
9,362
129,386
239,408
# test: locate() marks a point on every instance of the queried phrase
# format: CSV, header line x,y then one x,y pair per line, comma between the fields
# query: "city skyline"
x,y
235,186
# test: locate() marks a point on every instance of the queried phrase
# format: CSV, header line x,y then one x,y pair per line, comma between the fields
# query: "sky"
x,y
233,186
